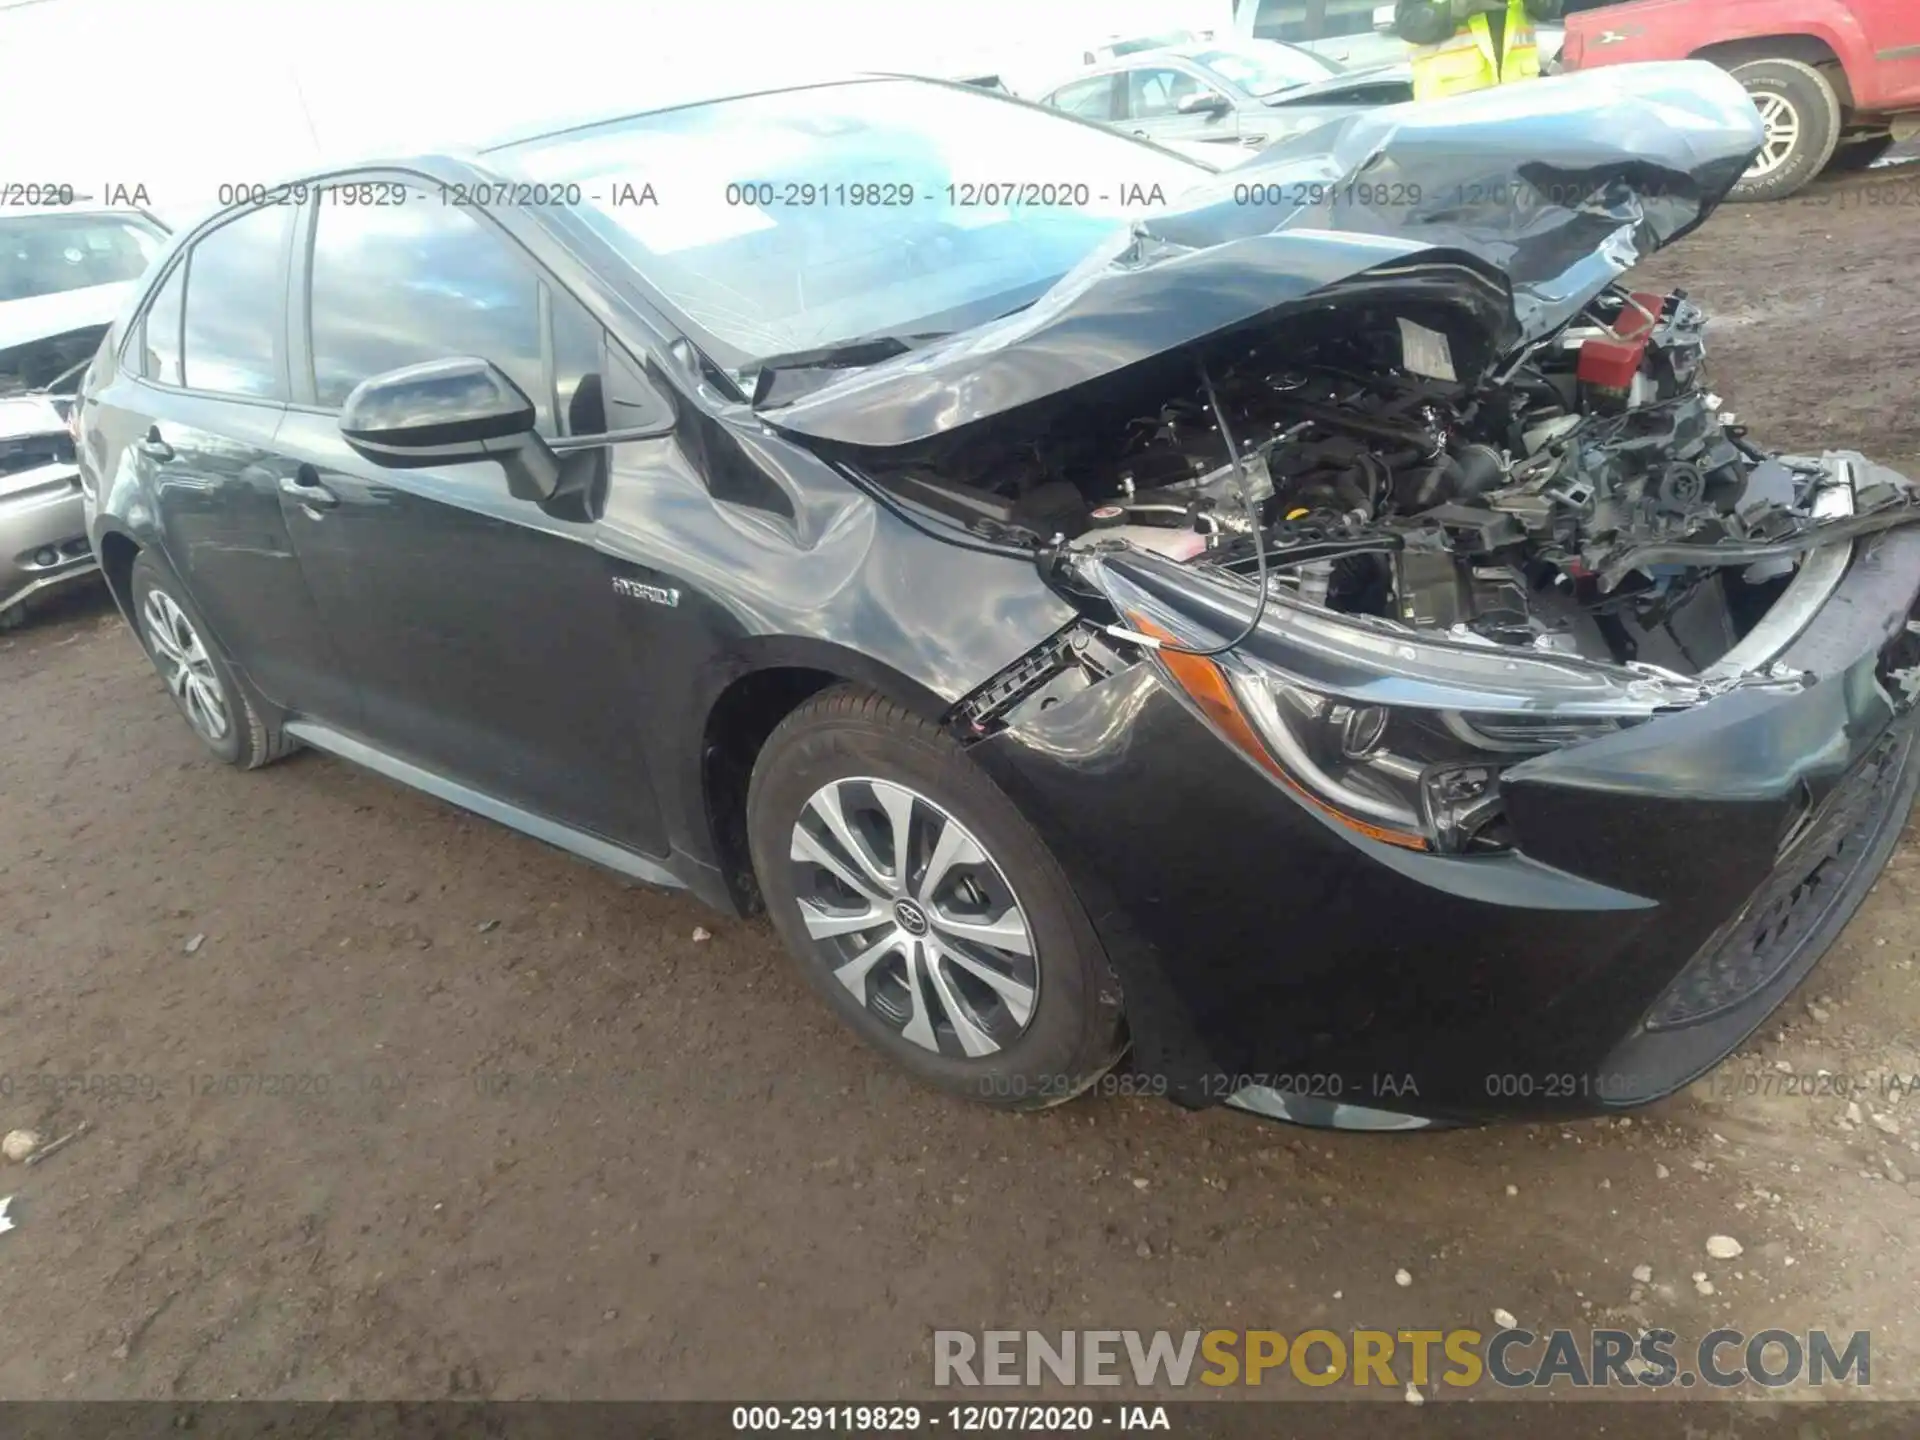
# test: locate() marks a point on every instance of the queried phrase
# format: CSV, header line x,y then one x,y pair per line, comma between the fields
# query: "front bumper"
x,y
1671,886
43,532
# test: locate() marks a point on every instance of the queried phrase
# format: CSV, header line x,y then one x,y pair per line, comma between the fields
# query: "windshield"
x,y
1269,69
49,254
807,218
1151,42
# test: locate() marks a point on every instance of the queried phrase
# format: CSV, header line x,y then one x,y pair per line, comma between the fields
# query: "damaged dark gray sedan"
x,y
1312,624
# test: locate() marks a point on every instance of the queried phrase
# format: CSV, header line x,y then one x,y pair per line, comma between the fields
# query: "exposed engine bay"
x,y
46,372
1586,496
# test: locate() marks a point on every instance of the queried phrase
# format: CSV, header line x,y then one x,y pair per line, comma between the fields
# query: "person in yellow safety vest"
x,y
1466,45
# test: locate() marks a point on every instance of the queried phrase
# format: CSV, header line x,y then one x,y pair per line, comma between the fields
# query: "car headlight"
x,y
1413,777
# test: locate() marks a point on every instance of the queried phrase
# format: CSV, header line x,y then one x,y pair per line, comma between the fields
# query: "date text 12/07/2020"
x,y
757,194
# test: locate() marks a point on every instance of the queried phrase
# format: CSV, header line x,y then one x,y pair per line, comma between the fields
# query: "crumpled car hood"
x,y
1534,197
39,316
22,416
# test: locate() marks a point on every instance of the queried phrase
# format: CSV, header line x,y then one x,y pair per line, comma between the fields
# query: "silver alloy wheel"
x,y
1783,124
914,917
184,664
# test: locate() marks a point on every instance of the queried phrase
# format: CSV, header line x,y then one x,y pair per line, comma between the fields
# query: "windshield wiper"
x,y
784,378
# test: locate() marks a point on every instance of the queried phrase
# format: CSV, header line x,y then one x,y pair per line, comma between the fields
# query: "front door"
x,y
1154,96
483,631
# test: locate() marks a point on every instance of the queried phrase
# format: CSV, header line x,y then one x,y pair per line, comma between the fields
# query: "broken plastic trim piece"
x,y
1706,557
1812,585
1330,1114
1835,523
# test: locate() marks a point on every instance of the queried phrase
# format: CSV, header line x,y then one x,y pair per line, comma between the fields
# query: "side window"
x,y
235,304
633,401
160,331
1089,99
397,285
1154,93
1290,20
1349,17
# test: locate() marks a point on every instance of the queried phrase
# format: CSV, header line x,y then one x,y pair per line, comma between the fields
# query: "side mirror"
x,y
1207,102
452,412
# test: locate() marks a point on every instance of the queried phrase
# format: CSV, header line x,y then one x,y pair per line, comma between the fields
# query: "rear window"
x,y
1303,20
51,254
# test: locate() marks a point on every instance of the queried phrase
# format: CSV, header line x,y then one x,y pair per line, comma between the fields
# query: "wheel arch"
x,y
1802,45
118,551
767,682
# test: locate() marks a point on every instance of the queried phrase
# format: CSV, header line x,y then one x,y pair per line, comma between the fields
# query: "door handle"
x,y
1140,135
304,485
153,447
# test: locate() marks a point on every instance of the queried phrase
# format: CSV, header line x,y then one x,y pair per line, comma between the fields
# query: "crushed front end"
x,y
43,533
1571,728
1469,715
1619,912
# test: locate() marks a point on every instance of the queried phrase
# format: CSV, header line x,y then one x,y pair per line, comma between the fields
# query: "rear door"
x,y
197,408
483,630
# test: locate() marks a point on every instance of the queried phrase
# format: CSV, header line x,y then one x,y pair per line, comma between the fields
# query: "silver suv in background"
x,y
1215,98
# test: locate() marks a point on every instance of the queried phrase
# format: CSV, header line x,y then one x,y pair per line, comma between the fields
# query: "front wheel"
x,y
925,910
1800,112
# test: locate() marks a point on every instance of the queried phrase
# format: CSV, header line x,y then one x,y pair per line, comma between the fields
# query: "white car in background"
x,y
65,272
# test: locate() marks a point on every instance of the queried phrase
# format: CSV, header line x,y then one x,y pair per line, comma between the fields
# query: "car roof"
x,y
695,90
1190,51
80,209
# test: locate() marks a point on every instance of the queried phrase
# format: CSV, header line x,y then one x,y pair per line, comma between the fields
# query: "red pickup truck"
x,y
1837,81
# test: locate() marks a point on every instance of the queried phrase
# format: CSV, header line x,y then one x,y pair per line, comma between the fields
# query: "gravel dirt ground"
x,y
387,1101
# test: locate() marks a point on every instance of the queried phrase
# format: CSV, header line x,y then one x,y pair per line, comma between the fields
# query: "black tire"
x,y
1810,98
1074,1031
248,740
1861,154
